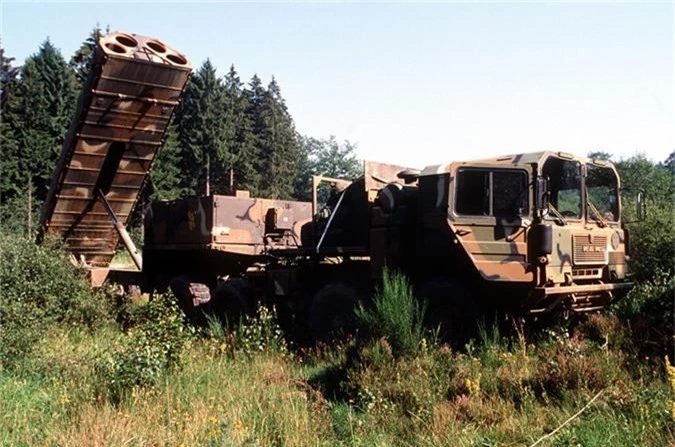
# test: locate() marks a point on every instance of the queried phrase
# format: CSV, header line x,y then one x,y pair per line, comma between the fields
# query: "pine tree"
x,y
206,157
9,157
240,138
40,113
254,127
276,140
81,61
165,177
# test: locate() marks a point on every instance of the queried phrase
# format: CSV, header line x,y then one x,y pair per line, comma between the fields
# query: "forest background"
x,y
231,134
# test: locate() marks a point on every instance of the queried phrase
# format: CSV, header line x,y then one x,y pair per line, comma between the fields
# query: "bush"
x,y
155,338
649,311
40,287
395,314
260,333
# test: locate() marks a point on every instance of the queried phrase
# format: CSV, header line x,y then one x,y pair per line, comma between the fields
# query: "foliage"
x,y
326,157
395,314
165,177
82,59
202,131
276,141
153,343
259,333
40,287
15,215
40,112
649,310
652,240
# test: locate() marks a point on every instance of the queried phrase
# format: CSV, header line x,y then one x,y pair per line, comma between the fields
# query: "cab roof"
x,y
524,159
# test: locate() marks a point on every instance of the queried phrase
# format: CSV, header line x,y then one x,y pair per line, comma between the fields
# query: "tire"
x,y
231,301
451,310
332,313
192,297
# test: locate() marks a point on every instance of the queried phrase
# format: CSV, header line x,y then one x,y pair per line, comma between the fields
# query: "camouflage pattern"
x,y
119,125
587,265
230,224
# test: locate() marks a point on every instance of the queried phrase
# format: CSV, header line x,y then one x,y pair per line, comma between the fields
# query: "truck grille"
x,y
589,249
617,258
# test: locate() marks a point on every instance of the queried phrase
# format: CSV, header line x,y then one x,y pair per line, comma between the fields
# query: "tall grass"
x,y
395,314
245,386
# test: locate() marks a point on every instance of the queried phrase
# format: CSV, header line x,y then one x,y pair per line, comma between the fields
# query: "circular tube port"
x,y
177,59
156,46
119,49
126,40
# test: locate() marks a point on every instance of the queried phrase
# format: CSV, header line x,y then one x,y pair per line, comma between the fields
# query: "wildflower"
x,y
670,369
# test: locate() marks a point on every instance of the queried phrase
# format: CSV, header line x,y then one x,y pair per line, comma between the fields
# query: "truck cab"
x,y
539,231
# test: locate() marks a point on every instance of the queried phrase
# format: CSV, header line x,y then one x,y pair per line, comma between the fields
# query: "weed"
x,y
395,314
152,345
260,333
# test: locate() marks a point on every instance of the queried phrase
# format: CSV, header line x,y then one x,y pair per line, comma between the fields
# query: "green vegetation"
x,y
132,373
79,367
236,135
395,315
40,288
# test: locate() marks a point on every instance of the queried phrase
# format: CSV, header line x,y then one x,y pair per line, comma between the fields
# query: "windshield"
x,y
564,182
601,189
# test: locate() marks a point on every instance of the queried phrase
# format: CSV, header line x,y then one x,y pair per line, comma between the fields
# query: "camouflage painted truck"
x,y
530,233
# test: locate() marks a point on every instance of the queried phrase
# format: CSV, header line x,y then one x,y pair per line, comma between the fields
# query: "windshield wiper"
x,y
595,211
557,214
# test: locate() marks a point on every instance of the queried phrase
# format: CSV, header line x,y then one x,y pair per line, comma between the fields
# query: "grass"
x,y
140,377
499,394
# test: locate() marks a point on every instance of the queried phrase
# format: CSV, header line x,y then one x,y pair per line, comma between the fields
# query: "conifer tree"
x,y
206,157
276,141
81,61
165,177
240,138
40,114
9,173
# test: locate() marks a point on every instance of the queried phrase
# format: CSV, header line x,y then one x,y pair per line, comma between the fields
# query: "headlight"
x,y
616,240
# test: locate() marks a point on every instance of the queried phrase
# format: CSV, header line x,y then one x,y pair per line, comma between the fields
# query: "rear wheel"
x,y
231,300
332,311
193,297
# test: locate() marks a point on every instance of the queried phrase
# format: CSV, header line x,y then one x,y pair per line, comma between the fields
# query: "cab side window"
x,y
483,192
473,192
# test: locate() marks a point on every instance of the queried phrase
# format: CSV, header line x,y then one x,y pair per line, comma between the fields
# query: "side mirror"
x,y
641,206
541,193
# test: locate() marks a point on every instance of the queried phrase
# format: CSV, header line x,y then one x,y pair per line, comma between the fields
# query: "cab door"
x,y
489,215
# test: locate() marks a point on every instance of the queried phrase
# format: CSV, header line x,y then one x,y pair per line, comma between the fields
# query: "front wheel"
x,y
332,312
452,310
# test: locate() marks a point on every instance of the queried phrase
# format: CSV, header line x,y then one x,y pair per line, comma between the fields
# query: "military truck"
x,y
531,234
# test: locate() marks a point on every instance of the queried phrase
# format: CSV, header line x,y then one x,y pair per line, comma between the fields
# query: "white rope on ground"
x,y
569,420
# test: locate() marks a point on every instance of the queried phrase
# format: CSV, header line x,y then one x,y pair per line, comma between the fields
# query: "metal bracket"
x,y
124,235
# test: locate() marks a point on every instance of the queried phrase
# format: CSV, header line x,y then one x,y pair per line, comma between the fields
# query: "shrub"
x,y
155,338
260,333
395,314
40,287
649,311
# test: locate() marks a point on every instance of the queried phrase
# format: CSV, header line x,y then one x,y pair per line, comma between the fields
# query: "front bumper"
x,y
578,297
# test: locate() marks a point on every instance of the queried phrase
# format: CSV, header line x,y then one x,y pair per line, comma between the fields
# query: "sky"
x,y
419,83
